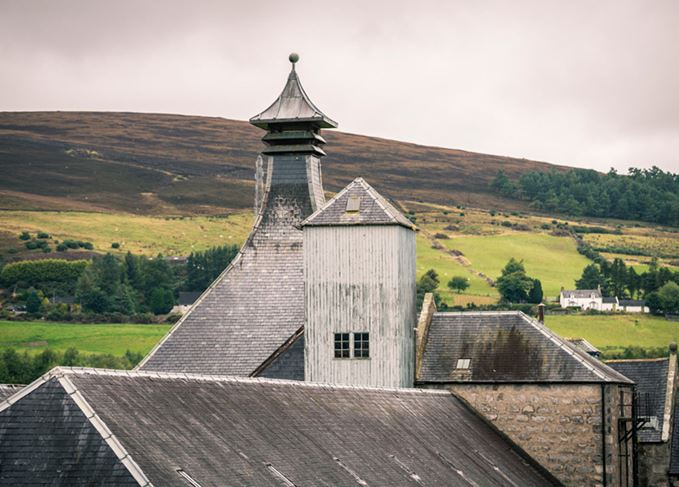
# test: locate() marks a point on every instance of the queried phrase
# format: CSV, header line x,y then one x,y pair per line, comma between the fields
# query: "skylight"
x,y
463,363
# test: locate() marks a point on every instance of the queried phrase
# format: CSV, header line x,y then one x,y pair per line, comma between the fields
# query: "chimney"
x,y
541,313
669,392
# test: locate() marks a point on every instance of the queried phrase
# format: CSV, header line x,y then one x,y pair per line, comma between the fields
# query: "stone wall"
x,y
557,424
654,461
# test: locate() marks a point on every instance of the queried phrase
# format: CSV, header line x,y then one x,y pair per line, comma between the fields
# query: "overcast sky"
x,y
585,83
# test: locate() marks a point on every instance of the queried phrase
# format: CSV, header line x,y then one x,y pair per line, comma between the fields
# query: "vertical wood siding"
x,y
357,279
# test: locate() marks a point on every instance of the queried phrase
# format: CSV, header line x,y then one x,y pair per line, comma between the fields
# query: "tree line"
x,y
658,286
24,368
111,284
650,195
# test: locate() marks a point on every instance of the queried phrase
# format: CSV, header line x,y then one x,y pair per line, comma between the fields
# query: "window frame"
x,y
339,338
345,345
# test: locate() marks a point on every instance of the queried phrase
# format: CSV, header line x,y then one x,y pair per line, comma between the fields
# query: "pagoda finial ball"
x,y
294,57
673,347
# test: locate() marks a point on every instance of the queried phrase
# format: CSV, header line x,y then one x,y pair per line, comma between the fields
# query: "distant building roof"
x,y
187,298
292,105
609,300
357,204
7,390
62,299
582,293
632,302
128,428
650,376
505,347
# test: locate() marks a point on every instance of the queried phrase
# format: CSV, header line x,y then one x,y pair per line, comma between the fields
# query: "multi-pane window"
x,y
342,345
352,345
361,345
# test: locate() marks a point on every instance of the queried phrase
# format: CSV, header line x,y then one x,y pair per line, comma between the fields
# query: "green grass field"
x,y
479,290
553,260
115,339
138,234
615,332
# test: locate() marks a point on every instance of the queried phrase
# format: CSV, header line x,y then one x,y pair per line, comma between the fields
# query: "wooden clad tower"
x,y
359,276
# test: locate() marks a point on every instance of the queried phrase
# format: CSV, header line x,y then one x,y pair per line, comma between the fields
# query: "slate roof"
x,y
505,347
257,303
609,300
7,390
650,376
292,105
96,427
582,293
632,302
373,209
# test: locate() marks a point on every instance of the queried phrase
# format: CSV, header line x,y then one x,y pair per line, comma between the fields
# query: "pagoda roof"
x,y
292,106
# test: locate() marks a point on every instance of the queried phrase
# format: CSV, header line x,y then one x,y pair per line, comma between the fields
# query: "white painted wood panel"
x,y
357,279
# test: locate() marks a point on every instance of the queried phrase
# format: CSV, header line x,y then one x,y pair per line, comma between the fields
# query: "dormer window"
x,y
353,204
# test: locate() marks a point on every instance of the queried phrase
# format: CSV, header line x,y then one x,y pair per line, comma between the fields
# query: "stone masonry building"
x,y
563,406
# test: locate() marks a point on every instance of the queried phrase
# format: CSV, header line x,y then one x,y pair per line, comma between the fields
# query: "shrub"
x,y
87,245
47,249
25,236
441,236
545,226
43,235
506,223
115,245
71,244
62,247
31,245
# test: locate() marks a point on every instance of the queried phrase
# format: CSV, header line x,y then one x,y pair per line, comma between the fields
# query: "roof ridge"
x,y
574,351
63,371
636,360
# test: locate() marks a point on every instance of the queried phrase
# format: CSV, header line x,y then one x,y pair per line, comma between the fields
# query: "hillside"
x,y
183,165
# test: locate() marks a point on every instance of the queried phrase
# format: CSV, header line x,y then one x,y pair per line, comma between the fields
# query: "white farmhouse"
x,y
581,298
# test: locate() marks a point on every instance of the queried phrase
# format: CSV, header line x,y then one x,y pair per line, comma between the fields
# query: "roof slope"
x,y
373,209
257,303
47,439
505,347
292,105
650,376
238,432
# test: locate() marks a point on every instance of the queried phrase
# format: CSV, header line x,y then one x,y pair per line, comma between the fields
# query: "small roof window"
x,y
463,363
353,204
